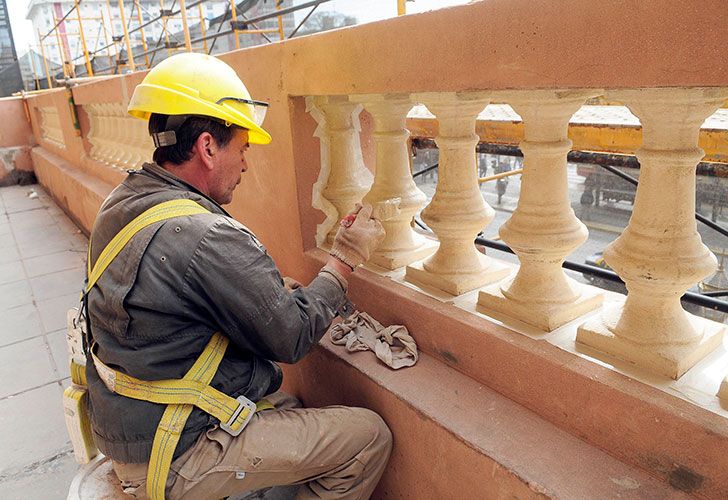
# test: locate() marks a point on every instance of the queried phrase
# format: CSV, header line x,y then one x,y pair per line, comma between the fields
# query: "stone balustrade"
x,y
117,139
393,179
344,179
659,255
543,230
50,123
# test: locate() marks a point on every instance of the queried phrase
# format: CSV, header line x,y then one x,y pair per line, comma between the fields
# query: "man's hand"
x,y
290,283
358,237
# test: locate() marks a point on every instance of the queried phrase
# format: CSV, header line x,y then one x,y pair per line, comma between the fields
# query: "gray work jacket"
x,y
175,284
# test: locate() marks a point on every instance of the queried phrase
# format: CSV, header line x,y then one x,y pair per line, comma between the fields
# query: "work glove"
x,y
358,236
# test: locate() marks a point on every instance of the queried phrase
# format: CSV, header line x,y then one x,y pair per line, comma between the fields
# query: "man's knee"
x,y
375,431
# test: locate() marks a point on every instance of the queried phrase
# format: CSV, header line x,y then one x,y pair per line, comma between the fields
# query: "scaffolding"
x,y
123,55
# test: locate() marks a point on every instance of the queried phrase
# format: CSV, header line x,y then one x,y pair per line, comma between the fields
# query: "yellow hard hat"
x,y
198,84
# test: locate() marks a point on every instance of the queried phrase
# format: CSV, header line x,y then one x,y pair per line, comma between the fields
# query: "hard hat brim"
x,y
150,98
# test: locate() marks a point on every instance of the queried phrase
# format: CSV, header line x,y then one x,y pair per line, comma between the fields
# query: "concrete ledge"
x,y
455,438
676,441
79,194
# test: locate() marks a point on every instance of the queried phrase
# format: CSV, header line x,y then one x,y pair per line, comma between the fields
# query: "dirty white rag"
x,y
393,345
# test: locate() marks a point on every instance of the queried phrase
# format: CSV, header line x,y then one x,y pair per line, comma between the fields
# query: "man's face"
x,y
229,165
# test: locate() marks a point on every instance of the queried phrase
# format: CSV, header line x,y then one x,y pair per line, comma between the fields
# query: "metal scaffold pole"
x,y
60,49
45,61
203,28
106,39
129,54
183,10
141,30
165,20
89,69
280,21
235,18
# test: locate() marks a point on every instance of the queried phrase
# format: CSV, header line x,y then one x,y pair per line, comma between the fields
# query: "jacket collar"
x,y
168,177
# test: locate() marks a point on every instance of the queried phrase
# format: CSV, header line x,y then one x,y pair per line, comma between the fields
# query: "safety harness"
x,y
180,395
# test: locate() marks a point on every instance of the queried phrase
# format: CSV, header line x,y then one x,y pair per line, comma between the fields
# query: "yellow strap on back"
x,y
158,213
180,395
175,416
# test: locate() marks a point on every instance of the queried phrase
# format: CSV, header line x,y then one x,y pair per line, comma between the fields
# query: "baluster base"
x,y
398,258
670,360
723,392
458,283
546,316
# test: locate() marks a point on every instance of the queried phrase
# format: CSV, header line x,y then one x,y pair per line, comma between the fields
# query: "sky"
x,y
22,28
364,10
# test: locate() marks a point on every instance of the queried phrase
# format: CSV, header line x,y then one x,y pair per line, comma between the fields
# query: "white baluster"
x,y
93,133
124,153
348,179
393,178
105,132
457,212
543,230
660,254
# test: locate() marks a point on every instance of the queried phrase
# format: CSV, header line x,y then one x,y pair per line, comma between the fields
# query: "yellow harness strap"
x,y
180,395
158,213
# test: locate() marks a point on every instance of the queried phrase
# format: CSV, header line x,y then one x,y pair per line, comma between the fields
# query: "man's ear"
x,y
206,148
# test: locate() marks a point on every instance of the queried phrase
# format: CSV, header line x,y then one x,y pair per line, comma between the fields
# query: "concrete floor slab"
x,y
53,311
32,428
47,480
60,261
15,294
57,284
24,204
36,459
50,234
40,246
31,219
20,323
59,352
6,236
9,254
11,272
25,365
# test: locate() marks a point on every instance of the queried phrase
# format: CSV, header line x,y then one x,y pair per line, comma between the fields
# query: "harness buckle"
x,y
243,403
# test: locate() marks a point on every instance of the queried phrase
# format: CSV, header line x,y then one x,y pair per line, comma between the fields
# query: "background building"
x,y
102,24
10,79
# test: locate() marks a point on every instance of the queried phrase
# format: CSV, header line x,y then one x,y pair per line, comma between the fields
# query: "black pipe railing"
x,y
635,182
704,300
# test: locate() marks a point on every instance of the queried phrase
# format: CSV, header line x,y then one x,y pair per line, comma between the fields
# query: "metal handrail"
x,y
704,300
635,182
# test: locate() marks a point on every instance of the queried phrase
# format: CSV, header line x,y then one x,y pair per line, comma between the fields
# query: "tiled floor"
x,y
41,272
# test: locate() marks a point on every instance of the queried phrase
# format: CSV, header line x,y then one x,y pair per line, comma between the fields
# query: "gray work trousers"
x,y
332,452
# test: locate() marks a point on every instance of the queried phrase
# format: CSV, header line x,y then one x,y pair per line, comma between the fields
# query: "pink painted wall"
x,y
16,129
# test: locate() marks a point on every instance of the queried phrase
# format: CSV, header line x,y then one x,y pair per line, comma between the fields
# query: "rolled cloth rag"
x,y
393,345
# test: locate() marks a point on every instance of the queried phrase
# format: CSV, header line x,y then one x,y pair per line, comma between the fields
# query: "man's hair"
x,y
187,134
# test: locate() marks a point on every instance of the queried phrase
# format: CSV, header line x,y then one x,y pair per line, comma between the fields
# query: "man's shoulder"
x,y
220,228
